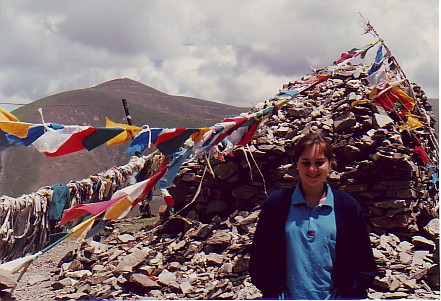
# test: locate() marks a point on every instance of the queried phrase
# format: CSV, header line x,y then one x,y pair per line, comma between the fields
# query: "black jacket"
x,y
355,266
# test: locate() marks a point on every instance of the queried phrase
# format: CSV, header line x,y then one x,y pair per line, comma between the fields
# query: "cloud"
x,y
228,51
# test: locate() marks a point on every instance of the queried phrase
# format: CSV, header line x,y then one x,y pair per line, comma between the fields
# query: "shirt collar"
x,y
297,196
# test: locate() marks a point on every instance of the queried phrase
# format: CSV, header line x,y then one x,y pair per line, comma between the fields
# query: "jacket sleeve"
x,y
357,266
264,267
364,274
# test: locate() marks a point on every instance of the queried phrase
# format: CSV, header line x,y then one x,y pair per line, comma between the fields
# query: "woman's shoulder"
x,y
279,196
344,197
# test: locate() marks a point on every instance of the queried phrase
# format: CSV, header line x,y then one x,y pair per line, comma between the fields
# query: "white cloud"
x,y
229,51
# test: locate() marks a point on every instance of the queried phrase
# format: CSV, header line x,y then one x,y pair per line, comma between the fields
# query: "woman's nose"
x,y
313,168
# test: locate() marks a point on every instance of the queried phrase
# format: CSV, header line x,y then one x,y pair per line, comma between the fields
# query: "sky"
x,y
234,52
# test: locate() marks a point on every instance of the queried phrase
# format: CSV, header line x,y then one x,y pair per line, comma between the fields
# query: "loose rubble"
x,y
187,259
183,259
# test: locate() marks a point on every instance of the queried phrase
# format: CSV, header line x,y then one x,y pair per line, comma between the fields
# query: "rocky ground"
x,y
132,259
38,278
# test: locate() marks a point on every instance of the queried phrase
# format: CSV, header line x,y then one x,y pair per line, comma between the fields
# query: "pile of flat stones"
x,y
187,259
181,259
203,252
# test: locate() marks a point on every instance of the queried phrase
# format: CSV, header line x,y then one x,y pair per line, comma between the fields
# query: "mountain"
x,y
24,170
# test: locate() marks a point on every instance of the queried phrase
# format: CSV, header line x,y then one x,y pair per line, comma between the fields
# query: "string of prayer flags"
x,y
291,90
355,52
135,193
167,140
56,140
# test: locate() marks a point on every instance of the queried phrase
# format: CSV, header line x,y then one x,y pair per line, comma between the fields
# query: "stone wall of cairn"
x,y
375,163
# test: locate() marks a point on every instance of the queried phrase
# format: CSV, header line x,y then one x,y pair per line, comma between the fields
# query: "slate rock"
x,y
225,170
220,237
421,242
432,228
344,122
144,281
214,259
6,280
128,262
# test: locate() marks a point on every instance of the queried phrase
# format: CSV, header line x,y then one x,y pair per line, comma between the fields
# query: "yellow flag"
x,y
6,116
130,131
412,122
119,209
404,98
19,129
80,231
197,136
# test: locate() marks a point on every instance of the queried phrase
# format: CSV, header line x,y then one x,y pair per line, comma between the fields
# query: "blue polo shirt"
x,y
311,235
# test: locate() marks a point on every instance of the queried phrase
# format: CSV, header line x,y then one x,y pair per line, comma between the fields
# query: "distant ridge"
x,y
24,170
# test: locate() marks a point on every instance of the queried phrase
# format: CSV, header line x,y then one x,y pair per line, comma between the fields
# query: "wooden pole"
x,y
126,110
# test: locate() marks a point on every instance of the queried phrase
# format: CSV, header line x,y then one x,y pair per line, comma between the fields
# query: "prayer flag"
x,y
127,135
178,158
377,78
33,133
100,136
199,135
119,209
19,129
173,144
7,116
378,61
16,265
392,99
412,122
80,231
355,52
80,210
143,140
55,139
149,184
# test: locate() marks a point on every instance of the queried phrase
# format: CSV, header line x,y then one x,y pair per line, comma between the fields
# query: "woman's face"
x,y
313,167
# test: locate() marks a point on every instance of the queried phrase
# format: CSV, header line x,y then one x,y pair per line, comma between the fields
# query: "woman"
x,y
311,241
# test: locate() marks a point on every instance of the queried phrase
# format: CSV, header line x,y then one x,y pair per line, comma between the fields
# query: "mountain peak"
x,y
126,84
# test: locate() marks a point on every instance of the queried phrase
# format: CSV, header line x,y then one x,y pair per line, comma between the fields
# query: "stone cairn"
x,y
202,252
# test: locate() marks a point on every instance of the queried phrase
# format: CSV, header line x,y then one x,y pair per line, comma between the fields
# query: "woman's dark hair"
x,y
311,139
